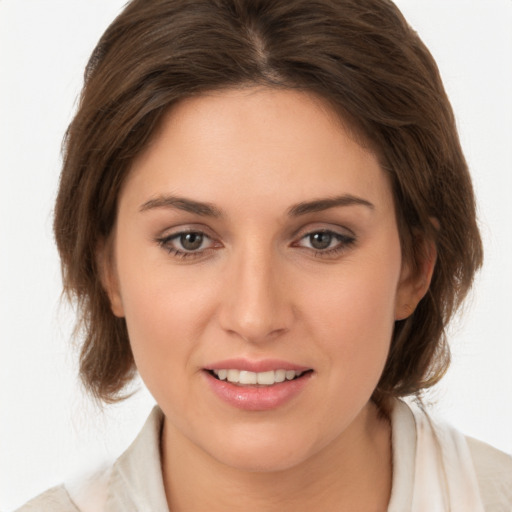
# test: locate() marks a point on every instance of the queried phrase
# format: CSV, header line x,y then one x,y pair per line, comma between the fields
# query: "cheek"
x,y
352,315
164,325
164,310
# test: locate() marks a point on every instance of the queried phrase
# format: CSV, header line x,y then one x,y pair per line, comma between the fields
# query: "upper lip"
x,y
263,365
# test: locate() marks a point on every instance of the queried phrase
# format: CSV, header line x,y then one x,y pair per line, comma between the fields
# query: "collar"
x,y
136,481
432,467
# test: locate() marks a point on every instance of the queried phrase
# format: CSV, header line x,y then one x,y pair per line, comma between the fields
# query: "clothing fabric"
x,y
435,469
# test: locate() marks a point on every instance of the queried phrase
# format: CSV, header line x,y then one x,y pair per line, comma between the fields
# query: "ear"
x,y
415,280
105,261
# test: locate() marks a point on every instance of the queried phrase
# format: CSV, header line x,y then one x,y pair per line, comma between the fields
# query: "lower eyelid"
x,y
342,243
170,243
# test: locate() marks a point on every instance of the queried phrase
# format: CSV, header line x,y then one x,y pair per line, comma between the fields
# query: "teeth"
x,y
233,375
290,374
280,375
251,378
266,378
248,377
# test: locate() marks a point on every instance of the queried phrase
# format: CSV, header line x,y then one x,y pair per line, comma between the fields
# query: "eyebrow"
x,y
182,203
210,210
319,205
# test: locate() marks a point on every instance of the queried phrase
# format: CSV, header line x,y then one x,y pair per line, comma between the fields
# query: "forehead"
x,y
282,145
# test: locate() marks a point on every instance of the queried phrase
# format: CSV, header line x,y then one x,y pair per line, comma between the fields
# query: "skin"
x,y
258,287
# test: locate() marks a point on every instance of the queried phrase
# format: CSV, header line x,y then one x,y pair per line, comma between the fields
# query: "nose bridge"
x,y
256,306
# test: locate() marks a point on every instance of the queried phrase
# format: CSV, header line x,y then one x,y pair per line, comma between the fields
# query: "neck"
x,y
351,473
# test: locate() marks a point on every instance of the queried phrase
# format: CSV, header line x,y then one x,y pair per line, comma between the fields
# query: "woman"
x,y
265,211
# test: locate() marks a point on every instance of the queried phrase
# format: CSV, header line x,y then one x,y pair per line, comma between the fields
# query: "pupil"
x,y
321,240
191,241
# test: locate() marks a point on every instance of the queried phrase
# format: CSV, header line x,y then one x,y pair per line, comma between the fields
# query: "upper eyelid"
x,y
341,237
330,231
297,235
171,232
175,236
329,228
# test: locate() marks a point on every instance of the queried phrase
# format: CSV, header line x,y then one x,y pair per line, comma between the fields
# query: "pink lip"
x,y
256,398
263,365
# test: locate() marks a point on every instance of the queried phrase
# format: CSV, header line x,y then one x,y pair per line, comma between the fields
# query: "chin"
x,y
262,451
261,461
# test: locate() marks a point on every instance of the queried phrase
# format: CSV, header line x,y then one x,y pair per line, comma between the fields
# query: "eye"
x,y
186,244
326,242
191,241
321,240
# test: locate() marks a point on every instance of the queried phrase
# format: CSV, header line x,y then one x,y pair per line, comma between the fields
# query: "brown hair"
x,y
359,55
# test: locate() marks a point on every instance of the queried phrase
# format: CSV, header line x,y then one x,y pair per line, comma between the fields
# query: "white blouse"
x,y
435,469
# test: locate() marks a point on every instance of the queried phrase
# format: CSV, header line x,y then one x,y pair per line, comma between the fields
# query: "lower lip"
x,y
257,398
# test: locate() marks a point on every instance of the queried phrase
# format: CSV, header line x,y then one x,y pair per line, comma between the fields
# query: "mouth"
x,y
257,385
259,379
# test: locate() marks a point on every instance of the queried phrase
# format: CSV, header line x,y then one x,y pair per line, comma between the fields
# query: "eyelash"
x,y
165,243
344,243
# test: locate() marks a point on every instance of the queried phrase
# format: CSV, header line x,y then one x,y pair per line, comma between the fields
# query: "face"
x,y
257,262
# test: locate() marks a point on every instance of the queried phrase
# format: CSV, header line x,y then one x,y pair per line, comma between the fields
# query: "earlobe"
x,y
116,305
415,281
105,261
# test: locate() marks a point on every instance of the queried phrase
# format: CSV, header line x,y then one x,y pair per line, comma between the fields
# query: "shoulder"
x,y
86,493
132,482
445,465
55,499
493,470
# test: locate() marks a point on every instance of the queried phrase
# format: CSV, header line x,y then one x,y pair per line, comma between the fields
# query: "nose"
x,y
255,304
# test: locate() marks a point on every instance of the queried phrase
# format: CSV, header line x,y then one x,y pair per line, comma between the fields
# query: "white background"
x,y
48,430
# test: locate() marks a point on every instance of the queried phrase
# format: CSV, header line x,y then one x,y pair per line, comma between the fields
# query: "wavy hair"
x,y
359,55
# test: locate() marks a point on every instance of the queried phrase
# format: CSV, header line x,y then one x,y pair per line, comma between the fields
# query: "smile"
x,y
267,378
257,386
